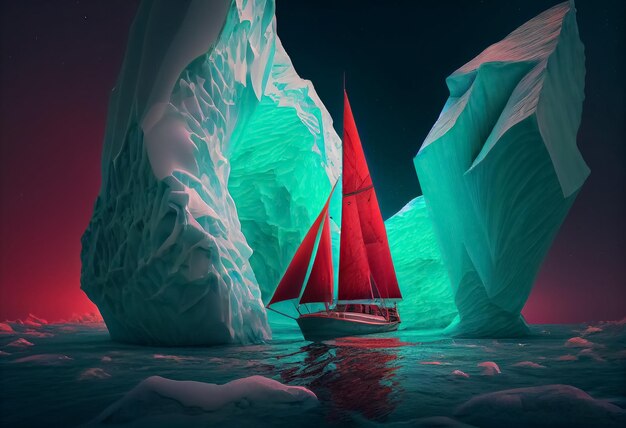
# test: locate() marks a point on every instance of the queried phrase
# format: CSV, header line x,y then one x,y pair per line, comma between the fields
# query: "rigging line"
x,y
356,192
278,312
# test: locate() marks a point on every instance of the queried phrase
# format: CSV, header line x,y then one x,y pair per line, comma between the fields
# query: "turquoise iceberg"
x,y
217,157
500,168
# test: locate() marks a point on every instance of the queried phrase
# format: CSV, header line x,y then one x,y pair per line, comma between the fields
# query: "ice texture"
x,y
540,406
428,300
216,159
158,396
500,168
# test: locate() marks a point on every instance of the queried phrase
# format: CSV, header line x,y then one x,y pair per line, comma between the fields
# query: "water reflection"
x,y
352,374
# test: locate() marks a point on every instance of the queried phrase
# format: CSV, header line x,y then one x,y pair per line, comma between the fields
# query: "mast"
x,y
366,271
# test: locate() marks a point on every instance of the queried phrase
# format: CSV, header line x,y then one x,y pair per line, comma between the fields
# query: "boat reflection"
x,y
353,374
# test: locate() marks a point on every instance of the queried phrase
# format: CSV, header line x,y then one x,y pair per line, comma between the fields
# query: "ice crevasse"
x,y
214,147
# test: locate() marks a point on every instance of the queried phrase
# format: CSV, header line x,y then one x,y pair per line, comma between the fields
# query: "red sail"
x,y
293,279
319,287
364,252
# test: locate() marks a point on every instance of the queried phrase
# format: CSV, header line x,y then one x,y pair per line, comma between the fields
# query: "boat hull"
x,y
324,326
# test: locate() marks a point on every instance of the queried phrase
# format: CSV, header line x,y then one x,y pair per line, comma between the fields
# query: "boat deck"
x,y
348,316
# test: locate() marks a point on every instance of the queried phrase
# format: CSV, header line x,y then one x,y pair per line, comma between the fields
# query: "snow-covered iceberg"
x,y
500,167
216,159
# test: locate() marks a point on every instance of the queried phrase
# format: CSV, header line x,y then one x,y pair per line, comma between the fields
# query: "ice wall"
x,y
208,118
500,168
428,302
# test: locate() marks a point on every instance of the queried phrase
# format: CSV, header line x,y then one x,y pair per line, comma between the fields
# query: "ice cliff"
x,y
428,301
500,168
216,159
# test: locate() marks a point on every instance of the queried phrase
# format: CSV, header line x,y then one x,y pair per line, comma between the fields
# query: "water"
x,y
388,378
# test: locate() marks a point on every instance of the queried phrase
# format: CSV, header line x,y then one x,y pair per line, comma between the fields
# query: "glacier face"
x,y
206,106
500,168
428,302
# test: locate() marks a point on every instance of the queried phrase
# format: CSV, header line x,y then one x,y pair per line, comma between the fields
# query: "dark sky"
x,y
60,60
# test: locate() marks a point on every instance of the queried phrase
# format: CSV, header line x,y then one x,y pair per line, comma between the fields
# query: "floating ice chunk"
x,y
567,357
86,318
428,422
591,329
176,358
160,395
4,354
93,373
460,373
34,321
529,364
5,328
578,342
36,333
433,363
20,343
489,368
590,354
106,359
541,406
44,359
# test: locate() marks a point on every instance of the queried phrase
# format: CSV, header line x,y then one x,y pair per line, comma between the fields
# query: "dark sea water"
x,y
72,372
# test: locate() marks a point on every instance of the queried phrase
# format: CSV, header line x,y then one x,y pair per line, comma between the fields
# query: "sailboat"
x,y
367,289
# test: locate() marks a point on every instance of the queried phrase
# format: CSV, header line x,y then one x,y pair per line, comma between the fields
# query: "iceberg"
x,y
216,159
500,168
428,300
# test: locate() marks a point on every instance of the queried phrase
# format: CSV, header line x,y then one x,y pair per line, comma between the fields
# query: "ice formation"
x,y
216,159
500,168
540,406
158,396
428,300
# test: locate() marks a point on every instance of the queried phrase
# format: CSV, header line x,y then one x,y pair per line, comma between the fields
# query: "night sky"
x,y
60,60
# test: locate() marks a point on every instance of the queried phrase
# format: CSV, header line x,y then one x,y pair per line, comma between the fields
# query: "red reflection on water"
x,y
352,375
369,343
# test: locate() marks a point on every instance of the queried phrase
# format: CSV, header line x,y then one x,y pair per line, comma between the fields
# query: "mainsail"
x,y
366,270
365,267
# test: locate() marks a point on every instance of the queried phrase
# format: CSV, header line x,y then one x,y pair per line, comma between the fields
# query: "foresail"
x,y
292,281
319,286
